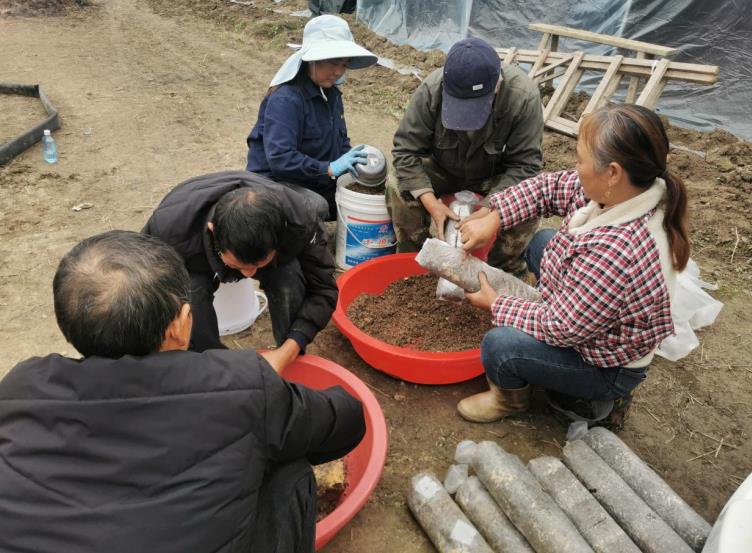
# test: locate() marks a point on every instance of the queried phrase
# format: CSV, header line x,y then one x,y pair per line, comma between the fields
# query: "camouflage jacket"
x,y
502,153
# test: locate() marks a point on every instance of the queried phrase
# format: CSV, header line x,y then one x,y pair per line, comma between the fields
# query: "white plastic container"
x,y
732,531
238,305
364,227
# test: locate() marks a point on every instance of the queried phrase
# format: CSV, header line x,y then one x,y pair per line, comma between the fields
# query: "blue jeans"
x,y
534,251
513,359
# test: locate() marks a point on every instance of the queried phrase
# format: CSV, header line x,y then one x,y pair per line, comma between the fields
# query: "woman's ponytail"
x,y
675,220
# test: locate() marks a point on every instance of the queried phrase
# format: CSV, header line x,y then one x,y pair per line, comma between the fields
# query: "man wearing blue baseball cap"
x,y
473,125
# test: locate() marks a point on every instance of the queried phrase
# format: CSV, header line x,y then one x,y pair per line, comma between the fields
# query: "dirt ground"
x,y
152,92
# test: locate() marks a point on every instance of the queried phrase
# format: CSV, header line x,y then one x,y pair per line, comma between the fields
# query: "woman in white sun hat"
x,y
300,136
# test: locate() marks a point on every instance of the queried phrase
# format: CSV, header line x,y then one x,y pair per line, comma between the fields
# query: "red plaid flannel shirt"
x,y
603,292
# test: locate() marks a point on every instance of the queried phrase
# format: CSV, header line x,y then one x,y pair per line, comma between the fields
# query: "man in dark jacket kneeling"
x,y
233,225
144,446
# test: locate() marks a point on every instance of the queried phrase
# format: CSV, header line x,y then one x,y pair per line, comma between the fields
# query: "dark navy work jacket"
x,y
297,134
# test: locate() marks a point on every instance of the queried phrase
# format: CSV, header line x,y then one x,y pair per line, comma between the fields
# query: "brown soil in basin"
x,y
408,315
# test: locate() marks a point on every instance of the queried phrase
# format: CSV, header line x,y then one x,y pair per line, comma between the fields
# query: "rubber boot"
x,y
618,415
494,404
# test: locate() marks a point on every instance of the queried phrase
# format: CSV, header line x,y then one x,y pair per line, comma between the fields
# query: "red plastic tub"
x,y
421,367
363,465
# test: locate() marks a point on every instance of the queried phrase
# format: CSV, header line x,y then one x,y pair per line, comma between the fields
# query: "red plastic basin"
x,y
421,367
363,465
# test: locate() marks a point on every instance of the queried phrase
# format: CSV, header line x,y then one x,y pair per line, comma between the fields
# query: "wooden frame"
x,y
639,67
642,50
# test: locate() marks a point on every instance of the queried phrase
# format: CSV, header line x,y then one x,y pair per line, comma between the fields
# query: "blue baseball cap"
x,y
471,72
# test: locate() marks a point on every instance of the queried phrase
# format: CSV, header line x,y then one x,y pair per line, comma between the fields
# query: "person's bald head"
x,y
117,293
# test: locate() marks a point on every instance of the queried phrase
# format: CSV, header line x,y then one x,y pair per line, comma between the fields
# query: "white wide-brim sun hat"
x,y
325,37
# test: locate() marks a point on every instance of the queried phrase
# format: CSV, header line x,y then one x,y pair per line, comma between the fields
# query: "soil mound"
x,y
39,7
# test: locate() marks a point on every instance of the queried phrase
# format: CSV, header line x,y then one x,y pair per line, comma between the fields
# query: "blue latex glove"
x,y
348,161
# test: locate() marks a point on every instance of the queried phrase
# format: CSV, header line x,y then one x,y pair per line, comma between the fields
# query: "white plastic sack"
x,y
691,308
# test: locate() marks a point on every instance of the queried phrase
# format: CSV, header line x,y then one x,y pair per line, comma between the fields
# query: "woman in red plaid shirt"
x,y
606,277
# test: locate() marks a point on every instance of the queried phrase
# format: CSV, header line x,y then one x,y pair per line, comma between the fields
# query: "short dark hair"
x,y
117,292
248,224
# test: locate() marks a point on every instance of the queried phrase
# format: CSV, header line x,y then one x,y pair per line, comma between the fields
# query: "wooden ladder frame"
x,y
547,64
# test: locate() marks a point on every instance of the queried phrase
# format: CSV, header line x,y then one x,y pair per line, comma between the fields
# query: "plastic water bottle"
x,y
49,148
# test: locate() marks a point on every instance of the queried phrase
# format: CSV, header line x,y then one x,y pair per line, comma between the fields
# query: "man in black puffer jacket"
x,y
143,446
237,224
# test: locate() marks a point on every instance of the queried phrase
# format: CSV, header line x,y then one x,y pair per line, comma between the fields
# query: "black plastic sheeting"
x,y
31,136
319,7
711,33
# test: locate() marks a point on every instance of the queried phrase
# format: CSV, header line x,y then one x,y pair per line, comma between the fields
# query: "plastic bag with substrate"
x,y
446,290
465,451
463,270
455,476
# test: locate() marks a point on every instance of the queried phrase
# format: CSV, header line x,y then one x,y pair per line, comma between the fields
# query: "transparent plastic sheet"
x,y
504,23
712,33
424,24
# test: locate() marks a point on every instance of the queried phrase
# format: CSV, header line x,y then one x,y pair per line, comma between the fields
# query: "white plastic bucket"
x,y
238,305
364,228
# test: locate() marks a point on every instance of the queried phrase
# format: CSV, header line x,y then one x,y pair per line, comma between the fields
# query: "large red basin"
x,y
421,367
364,463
